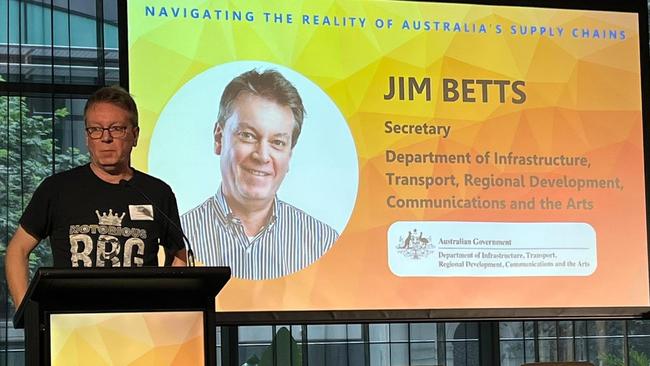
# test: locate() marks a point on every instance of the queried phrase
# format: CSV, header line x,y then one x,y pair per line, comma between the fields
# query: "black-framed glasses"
x,y
115,131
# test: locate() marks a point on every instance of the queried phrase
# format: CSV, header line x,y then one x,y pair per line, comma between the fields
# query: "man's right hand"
x,y
17,263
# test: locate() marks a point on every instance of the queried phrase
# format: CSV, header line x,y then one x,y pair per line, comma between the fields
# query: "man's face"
x,y
255,149
111,154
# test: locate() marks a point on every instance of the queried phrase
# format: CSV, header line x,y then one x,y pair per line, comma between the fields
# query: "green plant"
x,y
28,154
283,350
635,358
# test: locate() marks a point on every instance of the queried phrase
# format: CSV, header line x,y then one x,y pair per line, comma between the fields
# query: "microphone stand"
x,y
190,253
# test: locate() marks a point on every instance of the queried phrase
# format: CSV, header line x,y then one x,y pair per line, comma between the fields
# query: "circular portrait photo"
x,y
263,165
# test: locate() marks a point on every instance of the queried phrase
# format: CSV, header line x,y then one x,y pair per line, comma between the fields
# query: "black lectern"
x,y
149,290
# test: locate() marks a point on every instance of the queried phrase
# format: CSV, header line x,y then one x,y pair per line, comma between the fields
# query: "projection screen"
x,y
476,159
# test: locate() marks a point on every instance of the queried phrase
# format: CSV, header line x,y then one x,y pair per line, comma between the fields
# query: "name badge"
x,y
141,212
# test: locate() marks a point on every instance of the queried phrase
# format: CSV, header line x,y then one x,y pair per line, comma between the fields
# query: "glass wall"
x,y
602,342
59,42
53,53
391,344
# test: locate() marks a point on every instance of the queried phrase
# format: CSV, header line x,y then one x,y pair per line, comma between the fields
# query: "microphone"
x,y
190,254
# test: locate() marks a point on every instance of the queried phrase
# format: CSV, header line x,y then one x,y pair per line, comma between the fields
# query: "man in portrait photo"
x,y
245,225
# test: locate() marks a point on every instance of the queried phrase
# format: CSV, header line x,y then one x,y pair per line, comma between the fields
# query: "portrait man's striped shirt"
x,y
289,242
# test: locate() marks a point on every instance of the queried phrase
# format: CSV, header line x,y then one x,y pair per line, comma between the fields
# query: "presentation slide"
x,y
390,155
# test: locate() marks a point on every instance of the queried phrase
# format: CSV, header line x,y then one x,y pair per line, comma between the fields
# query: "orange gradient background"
x,y
583,99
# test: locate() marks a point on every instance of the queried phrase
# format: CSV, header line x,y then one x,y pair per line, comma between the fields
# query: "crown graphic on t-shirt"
x,y
110,218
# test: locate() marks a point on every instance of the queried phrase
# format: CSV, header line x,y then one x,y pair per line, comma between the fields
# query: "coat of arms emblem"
x,y
415,245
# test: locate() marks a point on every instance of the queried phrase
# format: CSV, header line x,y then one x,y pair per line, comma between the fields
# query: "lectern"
x,y
121,315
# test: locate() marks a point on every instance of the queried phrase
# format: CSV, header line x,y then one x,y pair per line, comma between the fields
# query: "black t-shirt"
x,y
92,223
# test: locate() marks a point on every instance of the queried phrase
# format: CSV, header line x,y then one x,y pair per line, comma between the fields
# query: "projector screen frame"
x,y
465,314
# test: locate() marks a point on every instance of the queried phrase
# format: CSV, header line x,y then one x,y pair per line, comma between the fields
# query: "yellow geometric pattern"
x,y
583,89
127,339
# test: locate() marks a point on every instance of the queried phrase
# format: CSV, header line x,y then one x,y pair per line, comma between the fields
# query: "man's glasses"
x,y
115,131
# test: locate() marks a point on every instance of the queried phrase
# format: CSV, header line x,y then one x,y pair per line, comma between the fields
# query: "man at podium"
x,y
105,213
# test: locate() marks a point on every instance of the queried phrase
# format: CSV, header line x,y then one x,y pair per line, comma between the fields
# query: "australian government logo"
x,y
415,245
